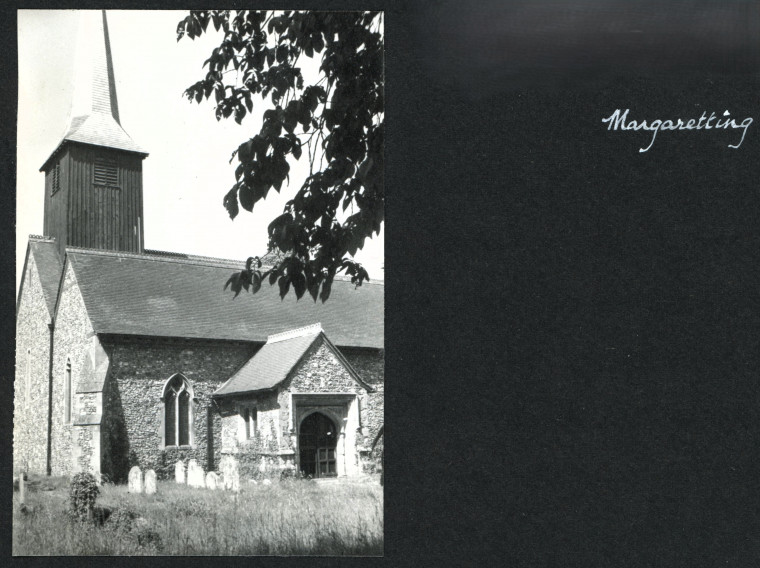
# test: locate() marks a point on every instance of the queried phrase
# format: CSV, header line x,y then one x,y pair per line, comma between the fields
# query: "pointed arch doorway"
x,y
317,442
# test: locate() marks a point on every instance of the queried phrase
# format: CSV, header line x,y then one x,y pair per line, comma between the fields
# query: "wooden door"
x,y
317,441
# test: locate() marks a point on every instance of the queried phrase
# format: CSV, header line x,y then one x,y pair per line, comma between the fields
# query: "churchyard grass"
x,y
291,517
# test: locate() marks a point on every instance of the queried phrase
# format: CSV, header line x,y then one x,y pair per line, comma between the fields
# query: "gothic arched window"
x,y
178,412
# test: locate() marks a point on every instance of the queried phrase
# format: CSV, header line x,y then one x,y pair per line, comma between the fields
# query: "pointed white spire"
x,y
95,87
94,117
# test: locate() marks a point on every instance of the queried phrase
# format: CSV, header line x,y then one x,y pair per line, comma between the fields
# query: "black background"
x,y
572,327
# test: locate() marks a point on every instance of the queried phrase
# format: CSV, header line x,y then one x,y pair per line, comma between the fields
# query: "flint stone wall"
x,y
72,338
140,368
271,449
258,457
370,365
30,423
320,371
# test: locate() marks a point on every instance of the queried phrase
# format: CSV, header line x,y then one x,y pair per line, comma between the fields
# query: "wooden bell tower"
x,y
93,179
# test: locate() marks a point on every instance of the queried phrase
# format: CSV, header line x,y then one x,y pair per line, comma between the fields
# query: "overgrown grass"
x,y
286,518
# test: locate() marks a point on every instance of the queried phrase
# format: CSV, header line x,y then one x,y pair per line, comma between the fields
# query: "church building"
x,y
129,356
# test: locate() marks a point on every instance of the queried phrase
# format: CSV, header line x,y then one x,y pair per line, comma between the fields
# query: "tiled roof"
x,y
271,364
45,253
166,296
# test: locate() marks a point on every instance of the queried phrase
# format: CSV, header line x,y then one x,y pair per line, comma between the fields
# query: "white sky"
x,y
187,172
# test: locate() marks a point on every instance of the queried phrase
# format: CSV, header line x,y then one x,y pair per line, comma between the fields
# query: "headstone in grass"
x,y
135,480
195,474
232,476
150,482
228,465
211,480
179,472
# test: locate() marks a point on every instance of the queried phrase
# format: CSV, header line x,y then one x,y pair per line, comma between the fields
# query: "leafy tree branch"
x,y
339,119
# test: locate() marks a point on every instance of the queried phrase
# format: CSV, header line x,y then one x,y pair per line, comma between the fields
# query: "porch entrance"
x,y
317,440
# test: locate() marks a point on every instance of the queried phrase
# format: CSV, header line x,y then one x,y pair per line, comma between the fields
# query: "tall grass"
x,y
286,518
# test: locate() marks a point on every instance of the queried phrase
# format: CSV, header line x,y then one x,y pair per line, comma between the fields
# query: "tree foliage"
x,y
337,122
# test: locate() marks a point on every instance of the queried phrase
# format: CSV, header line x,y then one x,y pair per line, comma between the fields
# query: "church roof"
x,y
94,115
183,296
44,250
275,360
271,364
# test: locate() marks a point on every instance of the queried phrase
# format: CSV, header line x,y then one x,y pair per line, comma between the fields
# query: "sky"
x,y
187,172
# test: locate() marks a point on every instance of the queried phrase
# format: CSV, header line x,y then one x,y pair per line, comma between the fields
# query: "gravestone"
x,y
135,480
228,465
179,472
234,482
211,480
150,482
195,474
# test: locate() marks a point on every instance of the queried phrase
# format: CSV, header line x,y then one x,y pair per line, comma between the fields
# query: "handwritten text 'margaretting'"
x,y
618,120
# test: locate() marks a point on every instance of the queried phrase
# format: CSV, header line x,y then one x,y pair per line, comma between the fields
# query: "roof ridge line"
x,y
314,328
210,261
190,256
187,258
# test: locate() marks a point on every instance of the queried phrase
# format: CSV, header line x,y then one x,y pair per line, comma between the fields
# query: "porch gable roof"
x,y
273,363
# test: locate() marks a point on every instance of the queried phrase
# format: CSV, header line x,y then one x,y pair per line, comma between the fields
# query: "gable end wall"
x,y
319,371
30,413
72,338
274,443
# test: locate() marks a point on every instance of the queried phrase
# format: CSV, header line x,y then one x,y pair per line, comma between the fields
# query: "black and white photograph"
x,y
540,219
200,298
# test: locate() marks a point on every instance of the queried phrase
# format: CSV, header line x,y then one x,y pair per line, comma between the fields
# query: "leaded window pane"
x,y
184,418
170,421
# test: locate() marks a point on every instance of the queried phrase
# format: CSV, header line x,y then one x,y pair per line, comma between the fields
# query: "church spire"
x,y
95,87
93,179
94,117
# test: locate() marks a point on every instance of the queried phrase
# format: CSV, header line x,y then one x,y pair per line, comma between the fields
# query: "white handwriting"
x,y
618,120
